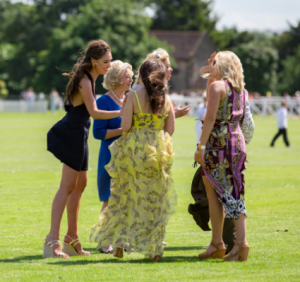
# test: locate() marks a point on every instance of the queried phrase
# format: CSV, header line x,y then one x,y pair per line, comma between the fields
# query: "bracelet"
x,y
202,147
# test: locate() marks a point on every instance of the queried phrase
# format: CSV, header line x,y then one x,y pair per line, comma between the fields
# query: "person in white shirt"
x,y
282,124
200,115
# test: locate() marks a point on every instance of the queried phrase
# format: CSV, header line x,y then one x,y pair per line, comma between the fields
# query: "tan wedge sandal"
x,y
219,253
48,253
69,248
118,252
241,254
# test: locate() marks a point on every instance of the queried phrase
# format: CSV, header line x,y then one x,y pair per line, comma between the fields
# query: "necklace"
x,y
121,100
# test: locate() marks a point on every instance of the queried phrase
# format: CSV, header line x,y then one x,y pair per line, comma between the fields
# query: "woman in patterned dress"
x,y
222,154
142,192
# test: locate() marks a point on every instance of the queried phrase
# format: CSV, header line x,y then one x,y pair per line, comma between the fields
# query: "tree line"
x,y
40,41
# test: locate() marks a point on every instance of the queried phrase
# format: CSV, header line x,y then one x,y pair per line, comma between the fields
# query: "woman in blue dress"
x,y
117,80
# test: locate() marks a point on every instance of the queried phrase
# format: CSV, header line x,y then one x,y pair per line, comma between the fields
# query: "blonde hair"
x,y
114,73
157,54
229,67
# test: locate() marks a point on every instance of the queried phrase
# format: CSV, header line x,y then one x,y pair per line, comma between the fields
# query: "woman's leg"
x,y
107,248
67,185
240,227
73,205
216,215
105,204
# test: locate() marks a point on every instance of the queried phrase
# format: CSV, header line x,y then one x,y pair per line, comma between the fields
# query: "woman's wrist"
x,y
201,146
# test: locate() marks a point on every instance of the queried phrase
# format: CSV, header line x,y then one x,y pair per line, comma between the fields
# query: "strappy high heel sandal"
x,y
118,252
219,253
69,248
156,258
48,253
241,254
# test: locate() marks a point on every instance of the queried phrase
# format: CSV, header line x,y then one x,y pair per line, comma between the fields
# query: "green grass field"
x,y
29,178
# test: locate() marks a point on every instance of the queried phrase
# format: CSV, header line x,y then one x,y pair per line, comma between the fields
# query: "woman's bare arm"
x,y
215,92
110,133
90,103
170,120
127,113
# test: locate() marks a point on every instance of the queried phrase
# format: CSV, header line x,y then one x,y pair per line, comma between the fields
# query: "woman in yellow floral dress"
x,y
142,192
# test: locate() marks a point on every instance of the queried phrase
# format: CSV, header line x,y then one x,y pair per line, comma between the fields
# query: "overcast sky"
x,y
253,14
257,14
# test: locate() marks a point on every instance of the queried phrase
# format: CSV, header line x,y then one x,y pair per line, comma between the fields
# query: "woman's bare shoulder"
x,y
217,86
85,83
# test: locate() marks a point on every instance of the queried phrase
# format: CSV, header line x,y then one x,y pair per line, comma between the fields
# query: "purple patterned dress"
x,y
226,153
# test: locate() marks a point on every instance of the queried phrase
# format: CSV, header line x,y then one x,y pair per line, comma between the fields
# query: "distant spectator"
x,y
41,96
256,95
297,95
282,124
297,100
54,100
22,95
286,96
30,95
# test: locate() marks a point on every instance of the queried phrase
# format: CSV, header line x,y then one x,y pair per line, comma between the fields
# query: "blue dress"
x,y
100,128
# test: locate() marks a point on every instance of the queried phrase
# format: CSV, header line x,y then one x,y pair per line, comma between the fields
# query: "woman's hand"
x,y
205,70
210,61
199,157
180,112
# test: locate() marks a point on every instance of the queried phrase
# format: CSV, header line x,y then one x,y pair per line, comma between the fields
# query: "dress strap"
x,y
166,108
92,82
138,101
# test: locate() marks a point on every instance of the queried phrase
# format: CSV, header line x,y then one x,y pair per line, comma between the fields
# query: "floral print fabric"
x,y
142,191
226,152
247,123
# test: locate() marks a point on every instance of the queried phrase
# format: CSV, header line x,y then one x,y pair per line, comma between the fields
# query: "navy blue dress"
x,y
100,128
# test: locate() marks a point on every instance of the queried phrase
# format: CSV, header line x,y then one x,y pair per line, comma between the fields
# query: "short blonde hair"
x,y
229,67
157,54
114,73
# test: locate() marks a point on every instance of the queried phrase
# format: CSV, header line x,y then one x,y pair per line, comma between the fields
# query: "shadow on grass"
x,y
134,261
21,259
190,248
127,260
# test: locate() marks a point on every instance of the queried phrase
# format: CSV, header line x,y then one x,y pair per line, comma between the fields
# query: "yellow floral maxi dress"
x,y
142,191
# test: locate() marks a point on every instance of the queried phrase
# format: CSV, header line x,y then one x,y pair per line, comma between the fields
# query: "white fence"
x,y
23,106
269,106
262,106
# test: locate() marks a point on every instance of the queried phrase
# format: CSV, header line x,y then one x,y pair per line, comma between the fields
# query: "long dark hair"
x,y
153,73
96,50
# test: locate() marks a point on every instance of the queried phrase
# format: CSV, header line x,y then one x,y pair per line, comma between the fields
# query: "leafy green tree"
x,y
288,46
289,77
123,25
230,37
259,63
287,43
182,15
28,29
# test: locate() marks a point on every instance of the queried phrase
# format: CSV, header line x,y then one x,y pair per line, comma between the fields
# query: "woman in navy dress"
x,y
67,140
118,80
